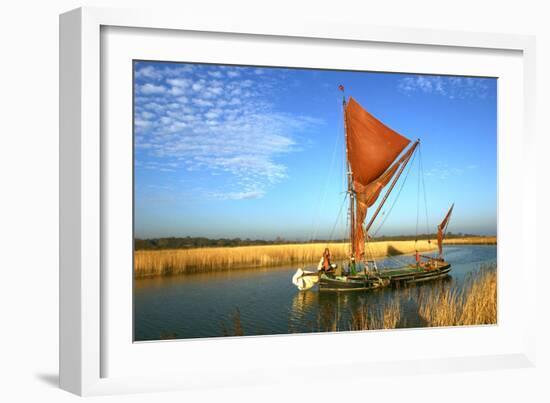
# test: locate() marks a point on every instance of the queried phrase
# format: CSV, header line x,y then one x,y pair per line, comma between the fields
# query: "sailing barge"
x,y
376,157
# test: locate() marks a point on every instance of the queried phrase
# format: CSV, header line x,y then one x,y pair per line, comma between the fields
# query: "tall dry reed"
x,y
149,263
386,316
475,304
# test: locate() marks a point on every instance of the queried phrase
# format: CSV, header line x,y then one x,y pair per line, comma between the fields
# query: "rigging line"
x,y
417,201
397,196
424,190
396,260
338,217
325,187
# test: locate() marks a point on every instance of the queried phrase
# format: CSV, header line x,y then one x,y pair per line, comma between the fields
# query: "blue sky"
x,y
254,152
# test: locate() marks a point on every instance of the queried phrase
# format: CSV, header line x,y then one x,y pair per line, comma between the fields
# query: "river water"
x,y
264,301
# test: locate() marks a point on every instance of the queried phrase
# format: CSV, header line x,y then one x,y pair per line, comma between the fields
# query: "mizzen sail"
x,y
442,228
372,149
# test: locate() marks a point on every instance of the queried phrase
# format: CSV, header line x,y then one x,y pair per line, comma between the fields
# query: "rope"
x,y
397,260
424,191
396,198
417,203
338,217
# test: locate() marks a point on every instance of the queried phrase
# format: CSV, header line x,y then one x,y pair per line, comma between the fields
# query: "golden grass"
x,y
477,240
476,304
382,317
175,261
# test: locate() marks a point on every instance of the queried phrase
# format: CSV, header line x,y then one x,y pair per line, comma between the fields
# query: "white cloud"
x,y
197,86
443,171
179,82
450,87
152,89
148,72
177,91
142,123
252,194
202,102
213,113
225,128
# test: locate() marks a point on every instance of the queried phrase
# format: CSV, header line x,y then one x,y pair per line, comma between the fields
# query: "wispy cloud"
x,y
446,86
444,171
217,120
148,89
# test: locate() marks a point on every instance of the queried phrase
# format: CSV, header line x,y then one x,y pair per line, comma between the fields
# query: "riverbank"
x,y
150,263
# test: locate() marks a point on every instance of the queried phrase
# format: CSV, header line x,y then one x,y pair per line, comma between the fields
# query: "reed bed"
x,y
149,263
477,240
474,304
367,317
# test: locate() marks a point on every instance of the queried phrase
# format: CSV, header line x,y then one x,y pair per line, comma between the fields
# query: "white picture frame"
x,y
87,322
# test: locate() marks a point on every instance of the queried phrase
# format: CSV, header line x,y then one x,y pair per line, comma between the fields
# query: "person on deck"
x,y
327,266
352,267
418,260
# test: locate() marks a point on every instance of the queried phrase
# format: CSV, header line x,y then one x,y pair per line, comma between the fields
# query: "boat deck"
x,y
413,273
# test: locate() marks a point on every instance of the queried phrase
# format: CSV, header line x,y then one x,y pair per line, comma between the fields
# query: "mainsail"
x,y
372,150
441,229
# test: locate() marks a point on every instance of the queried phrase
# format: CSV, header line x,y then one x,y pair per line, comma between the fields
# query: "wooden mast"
x,y
395,179
351,192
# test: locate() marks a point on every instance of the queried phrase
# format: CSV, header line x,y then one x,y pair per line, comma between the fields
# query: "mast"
x,y
395,179
350,181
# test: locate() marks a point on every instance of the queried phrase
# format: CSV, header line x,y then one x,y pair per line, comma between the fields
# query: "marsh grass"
x,y
236,328
367,317
474,304
148,263
478,240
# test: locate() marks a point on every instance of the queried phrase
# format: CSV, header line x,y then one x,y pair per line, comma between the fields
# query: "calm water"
x,y
204,305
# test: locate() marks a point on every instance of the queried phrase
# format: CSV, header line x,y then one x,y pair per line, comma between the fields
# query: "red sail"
x,y
441,228
372,146
372,149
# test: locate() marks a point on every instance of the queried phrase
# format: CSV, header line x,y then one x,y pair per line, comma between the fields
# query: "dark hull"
x,y
351,283
415,275
399,276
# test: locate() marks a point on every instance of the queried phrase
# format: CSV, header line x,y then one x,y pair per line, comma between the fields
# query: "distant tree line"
x,y
202,242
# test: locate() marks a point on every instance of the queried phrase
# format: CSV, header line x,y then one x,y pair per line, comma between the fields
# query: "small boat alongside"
x,y
376,157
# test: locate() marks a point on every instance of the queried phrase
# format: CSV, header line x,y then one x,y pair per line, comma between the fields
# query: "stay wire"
x,y
396,198
338,217
424,191
417,202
